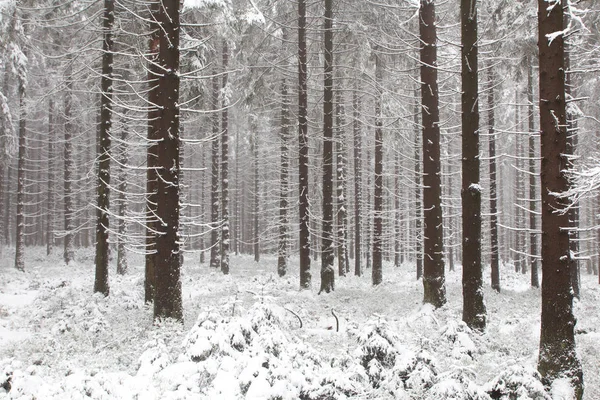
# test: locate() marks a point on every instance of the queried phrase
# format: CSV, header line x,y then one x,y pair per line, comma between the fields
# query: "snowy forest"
x,y
293,199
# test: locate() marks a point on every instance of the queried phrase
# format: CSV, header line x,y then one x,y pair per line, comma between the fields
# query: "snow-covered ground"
x,y
238,341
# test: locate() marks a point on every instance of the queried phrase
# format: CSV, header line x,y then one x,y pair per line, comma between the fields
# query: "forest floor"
x,y
60,341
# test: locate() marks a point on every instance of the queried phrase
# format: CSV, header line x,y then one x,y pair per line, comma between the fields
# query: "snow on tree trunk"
x,y
21,68
167,298
122,201
282,250
68,169
342,214
433,275
225,233
214,186
356,104
327,254
103,186
474,313
418,191
533,235
557,356
494,257
377,271
50,183
303,172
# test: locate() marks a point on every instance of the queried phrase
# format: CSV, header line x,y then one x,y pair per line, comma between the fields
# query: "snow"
x,y
60,341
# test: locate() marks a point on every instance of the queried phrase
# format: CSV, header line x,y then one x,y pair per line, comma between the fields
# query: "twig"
x,y
297,316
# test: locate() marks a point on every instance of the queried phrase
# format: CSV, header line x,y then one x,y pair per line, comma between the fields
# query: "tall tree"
x,y
558,356
21,68
494,249
377,271
68,167
474,313
433,275
122,200
103,186
342,213
152,154
303,172
225,232
167,299
356,129
214,186
533,235
418,191
327,251
282,250
51,178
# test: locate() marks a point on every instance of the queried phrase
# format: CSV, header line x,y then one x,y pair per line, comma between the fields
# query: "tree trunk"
x,y
214,187
377,271
68,171
357,181
327,253
342,213
303,172
474,313
494,257
122,201
433,276
21,167
167,300
557,356
225,231
51,178
152,225
282,250
256,197
103,186
533,236
418,192
520,265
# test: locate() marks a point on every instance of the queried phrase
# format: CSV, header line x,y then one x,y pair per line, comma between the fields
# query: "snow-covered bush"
x,y
517,382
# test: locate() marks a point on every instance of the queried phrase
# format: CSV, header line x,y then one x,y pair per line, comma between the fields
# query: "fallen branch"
x,y
337,321
297,316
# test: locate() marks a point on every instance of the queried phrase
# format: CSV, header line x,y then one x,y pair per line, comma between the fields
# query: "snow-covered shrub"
x,y
458,335
457,385
517,382
391,366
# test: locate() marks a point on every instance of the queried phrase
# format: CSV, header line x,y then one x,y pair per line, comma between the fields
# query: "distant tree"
x,y
122,200
533,235
282,260
341,182
377,271
356,131
433,275
418,191
20,61
214,187
494,249
558,355
225,231
68,166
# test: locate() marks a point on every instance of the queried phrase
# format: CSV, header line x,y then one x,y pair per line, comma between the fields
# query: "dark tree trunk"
x,y
533,236
225,231
418,192
282,250
520,264
167,299
397,215
68,171
51,178
327,253
357,181
377,271
474,313
494,256
303,172
557,356
20,221
103,186
122,201
342,213
214,187
433,277
152,155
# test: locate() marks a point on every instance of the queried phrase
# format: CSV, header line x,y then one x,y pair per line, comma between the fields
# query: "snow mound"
x,y
517,382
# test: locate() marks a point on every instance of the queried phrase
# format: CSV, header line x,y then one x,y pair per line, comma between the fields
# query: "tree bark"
x,y
122,198
68,169
357,181
342,213
282,250
303,172
152,225
433,275
327,251
225,231
51,178
474,313
533,235
103,186
418,192
377,271
494,257
21,161
167,300
256,197
214,187
557,356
